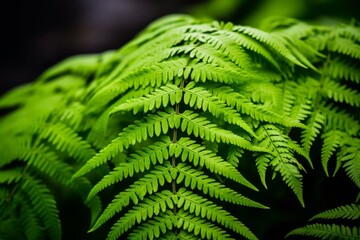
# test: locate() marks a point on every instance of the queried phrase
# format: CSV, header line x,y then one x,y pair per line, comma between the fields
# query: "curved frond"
x,y
138,162
154,227
188,150
200,226
350,156
345,212
147,184
282,158
150,207
201,127
328,231
137,132
203,99
340,93
204,208
160,97
197,179
44,205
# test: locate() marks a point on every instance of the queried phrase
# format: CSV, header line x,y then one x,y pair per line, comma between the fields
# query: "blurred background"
x,y
37,34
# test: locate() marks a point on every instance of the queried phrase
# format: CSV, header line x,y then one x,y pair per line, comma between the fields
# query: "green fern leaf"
x,y
340,120
282,159
350,155
43,205
139,131
345,212
204,208
138,162
332,141
30,222
66,140
182,235
156,75
327,231
200,156
314,125
340,93
154,227
160,97
150,206
47,162
272,41
344,46
200,227
10,175
203,99
234,154
339,69
197,179
201,127
147,184
257,112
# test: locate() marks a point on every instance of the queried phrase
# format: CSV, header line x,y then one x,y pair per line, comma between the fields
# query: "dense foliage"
x,y
160,129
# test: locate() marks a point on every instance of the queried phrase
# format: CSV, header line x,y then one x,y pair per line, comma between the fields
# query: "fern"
x,y
165,130
332,231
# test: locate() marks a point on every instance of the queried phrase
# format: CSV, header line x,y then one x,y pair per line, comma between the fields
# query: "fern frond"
x,y
67,140
147,184
203,72
272,41
343,212
234,154
137,132
340,120
328,231
153,205
44,205
350,156
182,235
17,96
344,46
82,65
30,222
154,227
221,46
200,226
203,99
160,97
10,175
314,125
281,159
332,141
257,112
204,208
249,43
197,179
339,69
73,116
138,162
201,127
340,93
188,150
47,162
155,75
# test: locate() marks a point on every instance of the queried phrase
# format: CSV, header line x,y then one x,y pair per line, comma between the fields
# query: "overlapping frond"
x,y
328,231
170,121
332,230
281,159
